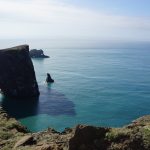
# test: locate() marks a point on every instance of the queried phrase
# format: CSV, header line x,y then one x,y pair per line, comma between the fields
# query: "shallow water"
x,y
103,87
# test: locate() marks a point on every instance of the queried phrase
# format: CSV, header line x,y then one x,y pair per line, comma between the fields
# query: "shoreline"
x,y
135,136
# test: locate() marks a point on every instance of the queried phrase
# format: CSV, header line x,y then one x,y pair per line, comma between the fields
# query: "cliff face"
x,y
135,136
17,76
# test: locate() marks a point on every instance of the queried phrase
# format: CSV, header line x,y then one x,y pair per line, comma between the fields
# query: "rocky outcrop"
x,y
17,76
88,138
135,136
26,140
34,53
49,79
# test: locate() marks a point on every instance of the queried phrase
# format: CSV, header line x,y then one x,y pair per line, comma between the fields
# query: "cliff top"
x,y
17,48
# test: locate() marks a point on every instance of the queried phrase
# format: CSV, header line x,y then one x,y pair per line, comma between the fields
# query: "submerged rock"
x,y
17,76
34,53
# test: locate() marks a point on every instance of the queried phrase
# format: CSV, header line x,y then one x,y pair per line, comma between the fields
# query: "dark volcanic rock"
x,y
34,53
49,79
17,76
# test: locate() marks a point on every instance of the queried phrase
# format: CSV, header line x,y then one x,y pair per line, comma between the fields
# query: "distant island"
x,y
35,53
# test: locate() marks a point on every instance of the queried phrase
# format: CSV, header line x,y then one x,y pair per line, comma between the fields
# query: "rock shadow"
x,y
49,102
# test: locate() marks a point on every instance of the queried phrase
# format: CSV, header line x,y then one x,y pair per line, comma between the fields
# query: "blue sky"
x,y
120,7
125,20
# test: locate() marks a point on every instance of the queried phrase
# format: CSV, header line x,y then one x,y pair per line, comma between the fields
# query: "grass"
x,y
117,134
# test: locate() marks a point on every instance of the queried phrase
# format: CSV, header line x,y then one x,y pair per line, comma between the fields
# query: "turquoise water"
x,y
103,87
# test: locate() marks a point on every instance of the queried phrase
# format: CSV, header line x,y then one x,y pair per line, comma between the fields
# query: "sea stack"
x,y
49,79
17,75
34,53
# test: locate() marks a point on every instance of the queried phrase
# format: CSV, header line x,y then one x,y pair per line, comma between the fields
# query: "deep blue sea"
x,y
102,87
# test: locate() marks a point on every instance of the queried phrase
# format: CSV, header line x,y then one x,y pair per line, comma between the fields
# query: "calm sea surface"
x,y
103,87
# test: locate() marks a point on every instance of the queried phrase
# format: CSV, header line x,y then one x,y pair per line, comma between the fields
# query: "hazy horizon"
x,y
86,20
74,43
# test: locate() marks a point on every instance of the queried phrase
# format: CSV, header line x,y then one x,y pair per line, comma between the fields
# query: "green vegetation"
x,y
117,134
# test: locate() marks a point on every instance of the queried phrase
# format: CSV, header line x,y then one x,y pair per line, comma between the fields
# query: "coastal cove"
x,y
102,87
134,136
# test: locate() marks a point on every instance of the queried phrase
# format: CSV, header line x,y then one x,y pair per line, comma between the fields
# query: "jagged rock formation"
x,y
34,53
49,79
17,76
135,136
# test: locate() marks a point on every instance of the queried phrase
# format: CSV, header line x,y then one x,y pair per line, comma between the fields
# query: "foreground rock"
x,y
34,53
26,140
17,76
135,136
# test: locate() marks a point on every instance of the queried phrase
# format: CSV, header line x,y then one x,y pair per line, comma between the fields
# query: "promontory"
x,y
17,75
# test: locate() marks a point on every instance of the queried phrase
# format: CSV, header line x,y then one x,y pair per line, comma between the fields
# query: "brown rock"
x,y
85,136
47,147
26,140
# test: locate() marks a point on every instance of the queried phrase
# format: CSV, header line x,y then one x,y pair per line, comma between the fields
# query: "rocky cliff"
x,y
135,136
17,76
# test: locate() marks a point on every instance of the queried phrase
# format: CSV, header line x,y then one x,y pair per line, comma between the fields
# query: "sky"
x,y
124,20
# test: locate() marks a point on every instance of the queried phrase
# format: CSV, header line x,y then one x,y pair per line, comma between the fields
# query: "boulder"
x,y
86,137
34,53
26,140
17,75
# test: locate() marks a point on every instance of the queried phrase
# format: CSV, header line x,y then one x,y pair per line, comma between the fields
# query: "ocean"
x,y
101,87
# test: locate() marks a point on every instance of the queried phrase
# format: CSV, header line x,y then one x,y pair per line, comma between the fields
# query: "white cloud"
x,y
54,19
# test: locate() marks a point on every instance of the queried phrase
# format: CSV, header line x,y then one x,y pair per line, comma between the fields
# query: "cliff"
x,y
17,76
135,136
